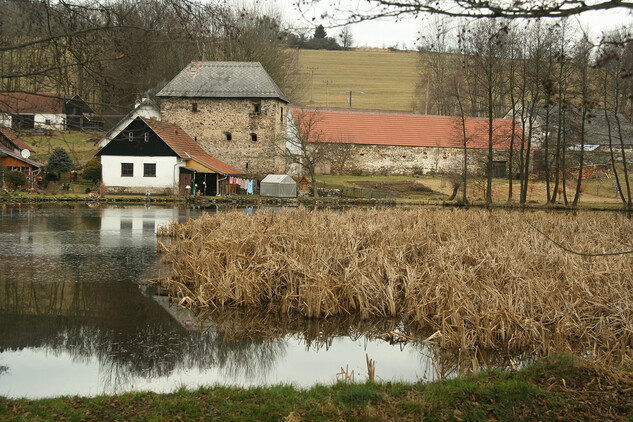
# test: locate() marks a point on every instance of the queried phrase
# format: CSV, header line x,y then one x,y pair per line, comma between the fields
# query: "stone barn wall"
x,y
400,160
211,120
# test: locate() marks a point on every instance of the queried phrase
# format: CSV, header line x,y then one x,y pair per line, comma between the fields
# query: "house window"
x,y
48,122
253,137
130,136
257,108
127,169
149,170
194,107
228,135
146,136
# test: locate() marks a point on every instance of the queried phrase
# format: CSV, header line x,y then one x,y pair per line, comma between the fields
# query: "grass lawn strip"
x,y
555,388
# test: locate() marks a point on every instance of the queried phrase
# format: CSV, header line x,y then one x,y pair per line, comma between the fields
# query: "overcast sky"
x,y
406,32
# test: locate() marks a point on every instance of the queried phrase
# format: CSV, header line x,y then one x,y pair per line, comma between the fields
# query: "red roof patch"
x,y
13,138
408,129
27,103
185,147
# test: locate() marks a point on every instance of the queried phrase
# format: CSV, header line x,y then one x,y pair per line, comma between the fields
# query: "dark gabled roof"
x,y
14,139
372,127
223,80
4,151
185,147
116,129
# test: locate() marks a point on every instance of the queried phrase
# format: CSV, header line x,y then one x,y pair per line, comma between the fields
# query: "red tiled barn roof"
x,y
27,103
407,129
185,147
13,138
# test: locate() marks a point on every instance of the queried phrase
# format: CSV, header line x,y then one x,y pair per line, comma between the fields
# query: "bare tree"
x,y
483,49
305,144
338,151
616,61
346,37
435,67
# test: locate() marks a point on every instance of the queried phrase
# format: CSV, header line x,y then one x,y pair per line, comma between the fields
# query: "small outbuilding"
x,y
278,185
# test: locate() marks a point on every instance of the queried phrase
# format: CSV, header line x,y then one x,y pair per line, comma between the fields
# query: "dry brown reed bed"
x,y
485,279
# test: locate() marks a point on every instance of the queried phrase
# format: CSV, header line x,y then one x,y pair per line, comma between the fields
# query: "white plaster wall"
x,y
166,176
57,121
115,220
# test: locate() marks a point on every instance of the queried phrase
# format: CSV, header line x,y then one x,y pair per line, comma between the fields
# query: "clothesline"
x,y
249,185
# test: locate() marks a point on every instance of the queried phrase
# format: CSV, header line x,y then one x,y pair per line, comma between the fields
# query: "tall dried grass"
x,y
486,280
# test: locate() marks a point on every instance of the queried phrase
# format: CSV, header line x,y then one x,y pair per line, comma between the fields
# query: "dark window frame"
x,y
127,169
253,137
194,107
228,136
149,169
257,109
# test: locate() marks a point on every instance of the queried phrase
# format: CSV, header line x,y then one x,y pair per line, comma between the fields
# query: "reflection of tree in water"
x,y
158,351
315,333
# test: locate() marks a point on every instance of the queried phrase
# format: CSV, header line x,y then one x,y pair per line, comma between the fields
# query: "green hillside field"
x,y
387,79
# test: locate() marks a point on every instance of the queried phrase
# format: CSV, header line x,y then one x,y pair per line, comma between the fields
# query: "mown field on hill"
x,y
382,79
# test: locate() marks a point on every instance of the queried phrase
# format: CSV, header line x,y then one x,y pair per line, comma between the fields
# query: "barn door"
x,y
186,178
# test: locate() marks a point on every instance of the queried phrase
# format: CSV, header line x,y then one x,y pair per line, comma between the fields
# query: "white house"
x,y
158,157
145,108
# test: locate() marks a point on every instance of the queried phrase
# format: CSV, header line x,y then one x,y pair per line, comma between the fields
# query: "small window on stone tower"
x,y
254,137
228,135
257,108
194,107
282,115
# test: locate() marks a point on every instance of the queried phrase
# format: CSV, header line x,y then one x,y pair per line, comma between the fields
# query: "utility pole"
x,y
312,69
327,86
350,95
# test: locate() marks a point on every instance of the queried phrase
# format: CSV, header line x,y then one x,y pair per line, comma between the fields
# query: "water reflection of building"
x,y
126,226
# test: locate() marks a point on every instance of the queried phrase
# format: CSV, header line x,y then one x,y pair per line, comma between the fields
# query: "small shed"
x,y
304,184
278,185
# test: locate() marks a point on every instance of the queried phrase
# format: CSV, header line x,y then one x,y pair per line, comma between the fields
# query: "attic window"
x,y
257,109
254,137
229,136
130,136
194,107
146,137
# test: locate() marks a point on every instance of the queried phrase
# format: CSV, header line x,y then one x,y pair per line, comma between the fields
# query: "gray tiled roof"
x,y
597,124
223,80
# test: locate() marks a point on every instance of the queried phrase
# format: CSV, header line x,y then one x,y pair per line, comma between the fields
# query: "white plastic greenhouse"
x,y
278,185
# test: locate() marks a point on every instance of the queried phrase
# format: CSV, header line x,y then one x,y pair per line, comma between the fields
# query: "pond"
x,y
74,321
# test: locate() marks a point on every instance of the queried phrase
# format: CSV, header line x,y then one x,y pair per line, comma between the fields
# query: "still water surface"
x,y
73,320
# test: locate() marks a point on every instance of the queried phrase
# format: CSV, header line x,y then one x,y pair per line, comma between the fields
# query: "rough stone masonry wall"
x,y
400,160
215,118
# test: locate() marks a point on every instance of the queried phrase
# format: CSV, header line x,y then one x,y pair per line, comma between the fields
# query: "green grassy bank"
x,y
556,388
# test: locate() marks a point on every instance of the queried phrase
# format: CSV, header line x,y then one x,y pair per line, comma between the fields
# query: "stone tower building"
x,y
234,110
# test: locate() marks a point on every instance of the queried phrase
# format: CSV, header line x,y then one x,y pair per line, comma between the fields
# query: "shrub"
x,y
92,173
15,178
51,177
